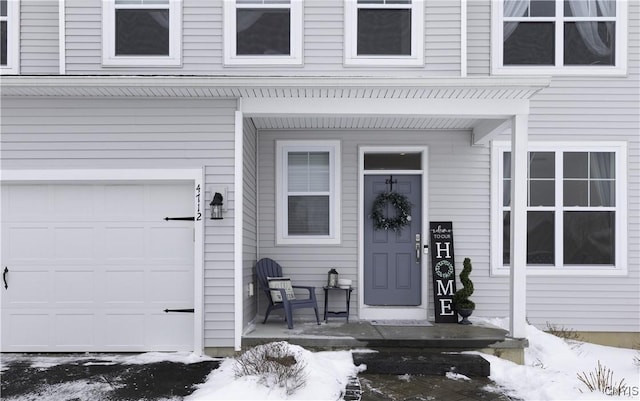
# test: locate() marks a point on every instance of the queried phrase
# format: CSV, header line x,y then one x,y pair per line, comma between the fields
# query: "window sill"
x,y
582,271
262,61
383,61
559,71
308,241
135,61
7,70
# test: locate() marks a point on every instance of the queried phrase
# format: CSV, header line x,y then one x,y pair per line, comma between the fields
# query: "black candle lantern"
x,y
332,278
216,207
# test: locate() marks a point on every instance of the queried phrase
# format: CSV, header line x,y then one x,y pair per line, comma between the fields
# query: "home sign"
x,y
443,271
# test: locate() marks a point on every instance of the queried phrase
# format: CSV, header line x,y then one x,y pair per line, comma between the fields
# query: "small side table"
x,y
343,313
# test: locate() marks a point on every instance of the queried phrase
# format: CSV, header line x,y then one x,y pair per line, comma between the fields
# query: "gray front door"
x,y
392,269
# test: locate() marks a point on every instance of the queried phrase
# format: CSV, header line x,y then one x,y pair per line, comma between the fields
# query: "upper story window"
x,y
9,36
559,37
142,32
263,32
384,32
576,197
308,192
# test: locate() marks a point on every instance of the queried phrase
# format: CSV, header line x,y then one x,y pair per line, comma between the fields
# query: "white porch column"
x,y
238,213
518,277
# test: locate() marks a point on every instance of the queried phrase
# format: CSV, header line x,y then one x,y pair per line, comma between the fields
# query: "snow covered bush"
x,y
275,365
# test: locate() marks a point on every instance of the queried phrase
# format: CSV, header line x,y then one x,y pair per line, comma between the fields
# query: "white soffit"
x,y
409,123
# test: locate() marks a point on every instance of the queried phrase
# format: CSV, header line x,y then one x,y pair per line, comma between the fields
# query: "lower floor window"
x,y
575,207
308,192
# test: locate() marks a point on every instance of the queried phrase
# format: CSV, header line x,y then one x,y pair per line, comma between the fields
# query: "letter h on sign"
x,y
440,248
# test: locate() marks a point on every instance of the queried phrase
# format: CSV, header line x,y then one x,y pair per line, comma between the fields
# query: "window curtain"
x,y
589,29
580,8
602,167
513,8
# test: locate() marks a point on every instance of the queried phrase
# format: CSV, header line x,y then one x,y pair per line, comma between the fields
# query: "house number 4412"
x,y
198,209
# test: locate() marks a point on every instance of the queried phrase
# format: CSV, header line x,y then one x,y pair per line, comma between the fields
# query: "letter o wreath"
x,y
444,269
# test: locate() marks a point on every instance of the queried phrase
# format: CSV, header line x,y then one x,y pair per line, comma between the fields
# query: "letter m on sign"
x,y
445,289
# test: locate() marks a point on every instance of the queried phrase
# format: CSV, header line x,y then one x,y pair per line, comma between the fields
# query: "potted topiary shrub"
x,y
463,305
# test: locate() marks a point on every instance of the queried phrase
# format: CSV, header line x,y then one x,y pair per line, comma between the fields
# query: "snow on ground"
x,y
550,371
552,365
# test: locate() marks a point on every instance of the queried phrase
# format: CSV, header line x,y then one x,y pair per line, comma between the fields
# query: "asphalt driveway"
x,y
51,378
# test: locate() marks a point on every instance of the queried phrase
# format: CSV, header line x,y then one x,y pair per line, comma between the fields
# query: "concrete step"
x,y
417,363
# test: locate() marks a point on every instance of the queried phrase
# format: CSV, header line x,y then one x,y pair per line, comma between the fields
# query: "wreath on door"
x,y
403,211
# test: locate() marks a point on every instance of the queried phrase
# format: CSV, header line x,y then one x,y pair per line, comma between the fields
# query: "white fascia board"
x,y
498,108
99,174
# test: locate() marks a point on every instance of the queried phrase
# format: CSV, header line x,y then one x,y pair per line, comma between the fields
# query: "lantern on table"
x,y
332,278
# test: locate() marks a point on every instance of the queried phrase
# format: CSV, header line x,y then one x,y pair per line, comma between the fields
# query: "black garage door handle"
x,y
4,277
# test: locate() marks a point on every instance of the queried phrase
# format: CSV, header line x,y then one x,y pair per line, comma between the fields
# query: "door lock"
x,y
418,248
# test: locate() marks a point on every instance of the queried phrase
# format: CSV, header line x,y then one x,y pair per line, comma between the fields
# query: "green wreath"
x,y
403,211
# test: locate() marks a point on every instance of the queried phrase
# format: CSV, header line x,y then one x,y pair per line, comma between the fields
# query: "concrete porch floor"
x,y
438,337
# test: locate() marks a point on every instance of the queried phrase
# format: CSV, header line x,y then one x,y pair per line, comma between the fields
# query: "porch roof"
x,y
483,105
274,87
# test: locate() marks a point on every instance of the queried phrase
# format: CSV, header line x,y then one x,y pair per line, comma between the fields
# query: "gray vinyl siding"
x,y
39,45
250,223
323,42
458,190
94,133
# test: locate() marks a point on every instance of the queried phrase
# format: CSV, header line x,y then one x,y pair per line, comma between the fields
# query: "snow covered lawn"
x,y
552,365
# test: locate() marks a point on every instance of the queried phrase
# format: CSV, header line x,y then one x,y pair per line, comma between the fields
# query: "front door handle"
x,y
418,246
4,277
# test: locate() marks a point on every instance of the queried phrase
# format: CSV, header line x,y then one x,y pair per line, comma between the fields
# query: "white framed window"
x,y
559,37
142,33
308,192
576,208
384,32
263,32
9,36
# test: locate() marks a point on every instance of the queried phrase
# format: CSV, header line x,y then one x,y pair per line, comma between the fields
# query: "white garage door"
x,y
93,267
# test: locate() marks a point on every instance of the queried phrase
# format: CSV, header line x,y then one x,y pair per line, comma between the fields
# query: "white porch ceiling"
x,y
422,123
